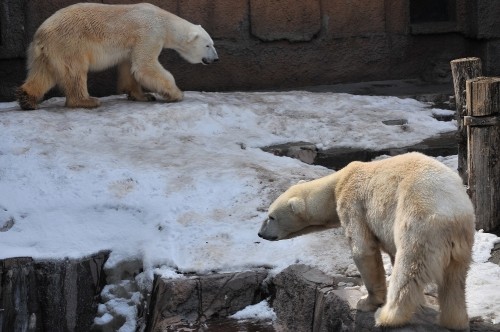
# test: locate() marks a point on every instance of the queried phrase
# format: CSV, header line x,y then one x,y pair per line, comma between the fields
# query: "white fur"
x,y
90,37
410,206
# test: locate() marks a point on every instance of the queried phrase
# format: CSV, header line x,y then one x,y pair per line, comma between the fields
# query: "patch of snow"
x,y
260,311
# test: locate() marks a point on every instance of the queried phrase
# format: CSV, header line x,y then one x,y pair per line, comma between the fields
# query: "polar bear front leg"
x,y
151,75
368,259
129,85
372,273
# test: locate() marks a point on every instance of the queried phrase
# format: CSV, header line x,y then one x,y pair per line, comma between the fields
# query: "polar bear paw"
x,y
141,97
391,317
368,303
25,100
174,95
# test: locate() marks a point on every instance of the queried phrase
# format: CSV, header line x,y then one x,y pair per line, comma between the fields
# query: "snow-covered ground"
x,y
184,187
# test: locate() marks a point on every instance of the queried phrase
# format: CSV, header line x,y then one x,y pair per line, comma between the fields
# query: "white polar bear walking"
x,y
91,37
410,206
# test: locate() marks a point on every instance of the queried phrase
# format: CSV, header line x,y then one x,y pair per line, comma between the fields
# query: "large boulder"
x,y
50,295
306,299
198,298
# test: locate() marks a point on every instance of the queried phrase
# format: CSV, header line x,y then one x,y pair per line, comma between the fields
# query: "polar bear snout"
x,y
207,61
272,238
211,56
266,231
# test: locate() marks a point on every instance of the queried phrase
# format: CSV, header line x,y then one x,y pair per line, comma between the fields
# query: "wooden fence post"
x,y
462,70
483,162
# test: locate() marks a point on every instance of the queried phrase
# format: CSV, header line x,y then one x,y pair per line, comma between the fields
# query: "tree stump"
x,y
462,70
483,162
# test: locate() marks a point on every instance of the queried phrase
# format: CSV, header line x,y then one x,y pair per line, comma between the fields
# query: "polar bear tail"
x,y
40,78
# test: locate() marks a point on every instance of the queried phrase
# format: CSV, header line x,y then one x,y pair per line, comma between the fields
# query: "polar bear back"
x,y
427,183
408,189
106,36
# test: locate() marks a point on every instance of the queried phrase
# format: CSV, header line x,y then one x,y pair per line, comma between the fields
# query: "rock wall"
x,y
196,299
46,295
63,296
290,43
303,298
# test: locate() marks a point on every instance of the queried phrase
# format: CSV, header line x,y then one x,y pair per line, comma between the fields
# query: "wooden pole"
x,y
462,70
483,162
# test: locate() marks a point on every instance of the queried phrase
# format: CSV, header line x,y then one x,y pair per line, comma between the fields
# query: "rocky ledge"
x,y
64,295
50,295
303,298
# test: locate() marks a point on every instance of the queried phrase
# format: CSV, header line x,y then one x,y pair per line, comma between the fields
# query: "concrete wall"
x,y
277,44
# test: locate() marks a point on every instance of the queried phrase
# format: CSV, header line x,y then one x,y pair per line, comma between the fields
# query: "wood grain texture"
x,y
462,70
483,117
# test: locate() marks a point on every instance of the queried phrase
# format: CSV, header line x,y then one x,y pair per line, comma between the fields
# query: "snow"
x,y
259,311
184,187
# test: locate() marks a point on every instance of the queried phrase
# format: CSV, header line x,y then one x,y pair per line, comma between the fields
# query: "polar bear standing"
x,y
91,37
410,206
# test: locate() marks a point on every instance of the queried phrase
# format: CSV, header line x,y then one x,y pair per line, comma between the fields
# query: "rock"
x,y
19,307
308,300
332,312
395,122
444,144
68,290
441,145
196,299
305,301
173,300
303,151
495,254
479,325
224,294
12,34
293,20
50,295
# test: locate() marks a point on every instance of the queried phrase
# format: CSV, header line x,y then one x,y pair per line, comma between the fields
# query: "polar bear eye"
x,y
271,218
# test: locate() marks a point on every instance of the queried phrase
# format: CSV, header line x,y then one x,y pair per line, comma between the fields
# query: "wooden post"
x,y
483,162
462,70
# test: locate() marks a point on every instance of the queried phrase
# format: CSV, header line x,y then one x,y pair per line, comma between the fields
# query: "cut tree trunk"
x,y
483,135
462,70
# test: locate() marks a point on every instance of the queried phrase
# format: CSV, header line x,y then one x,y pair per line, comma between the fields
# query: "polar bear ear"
x,y
297,205
301,181
192,36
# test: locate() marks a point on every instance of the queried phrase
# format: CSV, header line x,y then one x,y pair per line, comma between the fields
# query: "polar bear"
x,y
91,37
410,206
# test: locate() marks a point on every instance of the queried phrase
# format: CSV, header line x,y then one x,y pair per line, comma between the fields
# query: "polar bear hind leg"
x,y
451,290
73,81
413,268
404,295
40,79
451,296
129,85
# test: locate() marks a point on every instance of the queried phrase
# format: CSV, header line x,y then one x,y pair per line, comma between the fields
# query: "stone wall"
x,y
281,44
303,298
50,295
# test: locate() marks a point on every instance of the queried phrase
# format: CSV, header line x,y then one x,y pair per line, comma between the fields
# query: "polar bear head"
x,y
198,47
300,210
